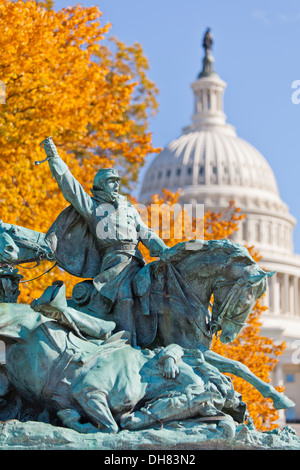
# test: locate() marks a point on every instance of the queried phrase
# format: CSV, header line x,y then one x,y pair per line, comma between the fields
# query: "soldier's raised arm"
x,y
71,188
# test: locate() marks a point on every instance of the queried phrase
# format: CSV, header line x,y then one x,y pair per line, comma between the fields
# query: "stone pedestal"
x,y
181,436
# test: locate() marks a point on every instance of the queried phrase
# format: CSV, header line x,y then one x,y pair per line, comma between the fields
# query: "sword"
x,y
46,142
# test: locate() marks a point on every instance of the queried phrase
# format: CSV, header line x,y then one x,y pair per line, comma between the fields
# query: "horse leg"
x,y
95,406
71,419
238,369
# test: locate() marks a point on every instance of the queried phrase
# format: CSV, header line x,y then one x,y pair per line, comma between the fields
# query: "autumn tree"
x,y
259,353
65,78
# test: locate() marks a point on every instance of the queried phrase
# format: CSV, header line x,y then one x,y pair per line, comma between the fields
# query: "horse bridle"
x,y
230,300
213,326
40,256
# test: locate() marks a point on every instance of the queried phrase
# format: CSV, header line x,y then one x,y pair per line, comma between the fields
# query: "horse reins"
x,y
231,296
40,275
37,259
177,278
227,303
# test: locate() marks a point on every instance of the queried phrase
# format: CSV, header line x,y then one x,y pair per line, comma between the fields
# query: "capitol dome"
x,y
209,157
211,165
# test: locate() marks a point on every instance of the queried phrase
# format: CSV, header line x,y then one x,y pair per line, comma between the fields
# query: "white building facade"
x,y
213,166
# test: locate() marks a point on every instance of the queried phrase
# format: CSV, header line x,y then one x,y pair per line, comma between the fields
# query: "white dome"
x,y
211,165
208,157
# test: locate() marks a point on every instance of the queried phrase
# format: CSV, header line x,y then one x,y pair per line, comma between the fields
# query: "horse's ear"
x,y
256,278
269,274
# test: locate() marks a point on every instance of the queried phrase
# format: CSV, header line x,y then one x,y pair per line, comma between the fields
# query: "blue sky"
x,y
256,50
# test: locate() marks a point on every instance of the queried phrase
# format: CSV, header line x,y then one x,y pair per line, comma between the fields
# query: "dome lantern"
x,y
208,95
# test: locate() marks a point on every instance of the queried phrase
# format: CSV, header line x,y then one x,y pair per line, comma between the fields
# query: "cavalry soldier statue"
x,y
97,237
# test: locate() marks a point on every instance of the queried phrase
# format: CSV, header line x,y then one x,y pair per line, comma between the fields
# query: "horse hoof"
x,y
228,427
282,403
131,421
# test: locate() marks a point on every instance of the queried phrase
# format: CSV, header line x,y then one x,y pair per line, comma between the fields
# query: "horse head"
x,y
223,269
9,251
22,245
242,283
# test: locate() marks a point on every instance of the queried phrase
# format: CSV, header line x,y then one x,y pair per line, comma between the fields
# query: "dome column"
x,y
296,296
286,305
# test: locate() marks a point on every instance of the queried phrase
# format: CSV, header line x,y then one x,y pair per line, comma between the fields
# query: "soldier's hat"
x,y
104,174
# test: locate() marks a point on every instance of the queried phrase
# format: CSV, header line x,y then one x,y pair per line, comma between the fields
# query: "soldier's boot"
x,y
53,304
72,419
123,314
141,287
144,303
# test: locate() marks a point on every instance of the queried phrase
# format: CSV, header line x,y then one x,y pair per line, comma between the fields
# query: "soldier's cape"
x,y
75,251
73,244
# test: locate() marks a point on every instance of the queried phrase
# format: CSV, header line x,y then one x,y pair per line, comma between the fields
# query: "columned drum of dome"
x,y
213,166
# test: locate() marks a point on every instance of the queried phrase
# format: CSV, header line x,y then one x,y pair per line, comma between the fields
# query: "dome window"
x,y
190,170
168,174
208,101
178,171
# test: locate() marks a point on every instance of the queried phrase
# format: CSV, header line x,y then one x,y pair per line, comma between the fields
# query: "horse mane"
x,y
218,255
224,250
227,246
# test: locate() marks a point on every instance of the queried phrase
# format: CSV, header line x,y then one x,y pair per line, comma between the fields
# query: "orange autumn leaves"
x,y
174,223
64,78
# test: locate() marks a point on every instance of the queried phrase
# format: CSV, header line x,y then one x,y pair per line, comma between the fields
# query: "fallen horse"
x,y
103,380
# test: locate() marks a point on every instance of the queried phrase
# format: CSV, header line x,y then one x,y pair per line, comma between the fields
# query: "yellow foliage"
x,y
61,79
